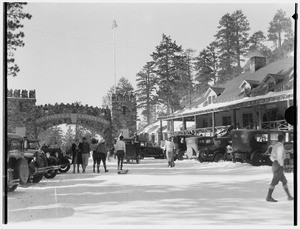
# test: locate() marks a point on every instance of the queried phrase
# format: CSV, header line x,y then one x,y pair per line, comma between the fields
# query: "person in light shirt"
x,y
120,151
170,148
278,156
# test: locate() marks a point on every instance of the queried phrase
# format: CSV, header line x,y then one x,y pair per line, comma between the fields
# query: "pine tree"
x,y
240,35
186,87
280,28
226,48
15,36
168,60
146,88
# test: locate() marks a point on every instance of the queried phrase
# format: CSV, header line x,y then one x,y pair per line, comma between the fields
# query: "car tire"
x,y
52,161
257,159
11,175
42,162
218,157
64,161
23,170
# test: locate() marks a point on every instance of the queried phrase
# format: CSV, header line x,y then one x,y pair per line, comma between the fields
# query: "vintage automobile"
x,y
62,160
37,162
147,149
253,146
43,159
207,148
17,165
131,152
180,145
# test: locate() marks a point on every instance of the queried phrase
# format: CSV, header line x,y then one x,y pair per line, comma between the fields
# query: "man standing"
x,y
277,157
136,144
169,148
76,155
102,151
120,151
85,153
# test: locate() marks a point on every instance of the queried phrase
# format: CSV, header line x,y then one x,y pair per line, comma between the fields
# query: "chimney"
x,y
257,62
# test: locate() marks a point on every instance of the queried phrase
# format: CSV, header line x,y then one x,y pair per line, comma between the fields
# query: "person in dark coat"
x,y
181,148
94,144
76,155
85,153
101,152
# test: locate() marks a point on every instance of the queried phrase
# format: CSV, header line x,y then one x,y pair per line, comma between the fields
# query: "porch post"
x,y
172,125
234,117
213,122
259,117
160,132
184,123
195,120
288,104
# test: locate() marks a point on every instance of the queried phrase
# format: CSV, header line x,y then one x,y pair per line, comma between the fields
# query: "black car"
x,y
131,151
253,146
17,165
148,149
207,148
180,145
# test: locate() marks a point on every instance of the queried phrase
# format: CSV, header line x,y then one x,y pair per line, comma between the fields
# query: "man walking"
x,y
85,153
76,155
170,148
277,157
102,152
120,151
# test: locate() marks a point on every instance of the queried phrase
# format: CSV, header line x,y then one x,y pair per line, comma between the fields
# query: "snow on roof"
x,y
228,103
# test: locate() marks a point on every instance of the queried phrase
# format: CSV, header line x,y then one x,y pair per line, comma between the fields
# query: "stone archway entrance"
x,y
99,125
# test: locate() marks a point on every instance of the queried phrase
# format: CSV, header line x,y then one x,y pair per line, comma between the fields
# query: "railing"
x,y
207,131
279,124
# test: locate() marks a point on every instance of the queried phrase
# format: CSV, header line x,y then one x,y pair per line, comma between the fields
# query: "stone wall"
x,y
124,113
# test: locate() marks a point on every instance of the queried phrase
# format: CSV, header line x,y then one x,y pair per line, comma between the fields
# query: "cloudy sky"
x,y
68,53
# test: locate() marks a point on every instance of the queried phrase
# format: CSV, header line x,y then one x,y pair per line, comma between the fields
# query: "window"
x,y
226,121
261,137
209,100
248,120
124,110
213,98
271,86
21,106
204,123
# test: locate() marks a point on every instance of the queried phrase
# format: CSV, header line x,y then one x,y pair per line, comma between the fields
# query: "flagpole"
x,y
114,52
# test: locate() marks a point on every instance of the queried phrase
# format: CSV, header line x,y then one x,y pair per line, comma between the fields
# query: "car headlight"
x,y
48,155
56,154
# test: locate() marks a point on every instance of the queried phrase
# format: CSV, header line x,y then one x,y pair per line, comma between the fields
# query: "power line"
x,y
89,40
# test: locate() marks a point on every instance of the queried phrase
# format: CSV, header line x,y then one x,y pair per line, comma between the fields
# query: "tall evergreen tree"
x,y
15,36
226,47
240,35
186,88
168,60
280,28
146,88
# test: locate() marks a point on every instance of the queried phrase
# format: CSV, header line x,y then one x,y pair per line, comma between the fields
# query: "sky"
x,y
68,52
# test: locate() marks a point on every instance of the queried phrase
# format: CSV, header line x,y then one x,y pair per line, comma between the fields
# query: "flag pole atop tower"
x,y
114,26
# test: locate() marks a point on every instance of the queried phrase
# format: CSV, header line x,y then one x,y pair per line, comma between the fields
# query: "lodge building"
x,y
256,99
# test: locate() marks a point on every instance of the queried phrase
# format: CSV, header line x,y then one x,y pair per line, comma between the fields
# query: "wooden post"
x,y
259,117
195,120
160,132
213,123
184,123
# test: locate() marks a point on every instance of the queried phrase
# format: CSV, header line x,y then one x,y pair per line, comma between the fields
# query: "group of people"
x,y
81,153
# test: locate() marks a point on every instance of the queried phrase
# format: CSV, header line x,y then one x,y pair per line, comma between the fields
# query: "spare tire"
x,y
23,170
40,163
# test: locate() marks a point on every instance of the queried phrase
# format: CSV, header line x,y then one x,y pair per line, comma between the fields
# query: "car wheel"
x,y
41,162
65,165
218,157
52,161
257,159
11,175
23,170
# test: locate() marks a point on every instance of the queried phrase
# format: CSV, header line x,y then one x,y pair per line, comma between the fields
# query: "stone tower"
x,y
21,112
123,113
